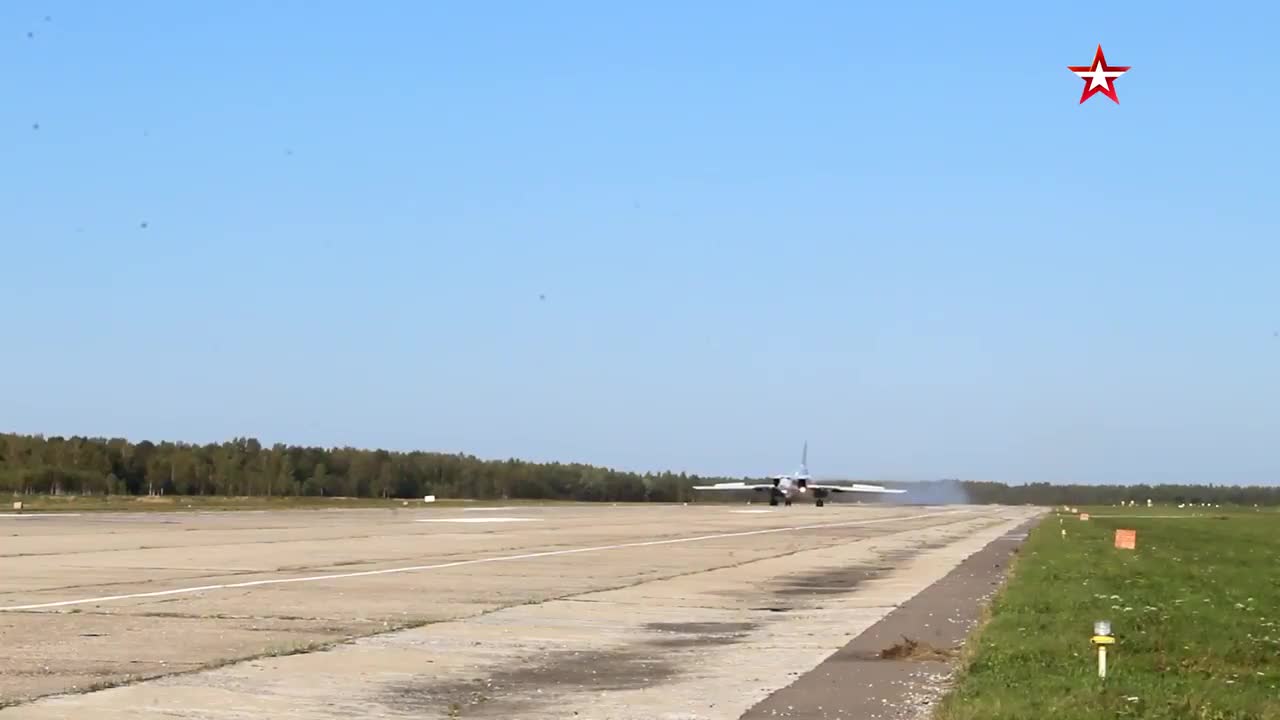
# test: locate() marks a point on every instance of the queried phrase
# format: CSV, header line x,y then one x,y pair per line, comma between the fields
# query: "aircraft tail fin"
x,y
804,459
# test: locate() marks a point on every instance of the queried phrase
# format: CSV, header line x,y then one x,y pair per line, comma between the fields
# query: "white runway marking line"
x,y
478,561
17,516
490,509
750,512
480,520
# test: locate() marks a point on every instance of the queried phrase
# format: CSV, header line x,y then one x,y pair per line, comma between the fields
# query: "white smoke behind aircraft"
x,y
931,492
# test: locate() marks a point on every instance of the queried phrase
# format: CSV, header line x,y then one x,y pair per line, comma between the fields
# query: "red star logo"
x,y
1099,77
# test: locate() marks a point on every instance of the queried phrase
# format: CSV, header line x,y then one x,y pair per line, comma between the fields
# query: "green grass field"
x,y
1195,609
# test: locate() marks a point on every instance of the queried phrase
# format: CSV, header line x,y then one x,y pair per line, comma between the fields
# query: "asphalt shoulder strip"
x,y
898,667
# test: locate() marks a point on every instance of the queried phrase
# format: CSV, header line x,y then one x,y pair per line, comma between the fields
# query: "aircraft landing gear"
x,y
787,502
819,503
820,497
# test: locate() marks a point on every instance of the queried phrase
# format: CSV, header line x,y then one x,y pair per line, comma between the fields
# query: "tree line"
x,y
36,465
1046,494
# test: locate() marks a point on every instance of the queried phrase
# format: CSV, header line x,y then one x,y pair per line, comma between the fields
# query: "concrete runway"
x,y
575,611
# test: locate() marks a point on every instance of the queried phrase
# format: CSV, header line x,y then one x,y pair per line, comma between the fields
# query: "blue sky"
x,y
889,229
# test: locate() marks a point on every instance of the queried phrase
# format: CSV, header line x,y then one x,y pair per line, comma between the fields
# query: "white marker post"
x,y
1101,639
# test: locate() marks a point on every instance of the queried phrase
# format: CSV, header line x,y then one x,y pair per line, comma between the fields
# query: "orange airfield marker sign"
x,y
1127,539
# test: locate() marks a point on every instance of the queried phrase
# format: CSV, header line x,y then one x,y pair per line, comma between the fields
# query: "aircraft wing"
x,y
855,487
735,486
